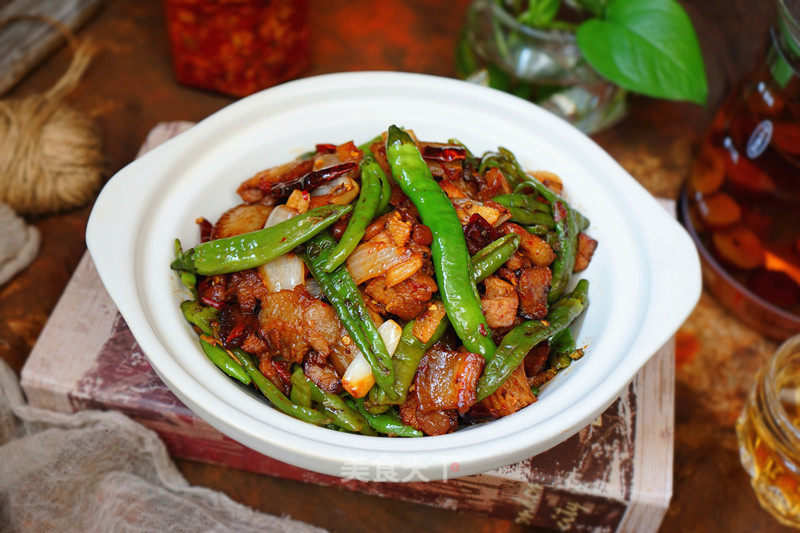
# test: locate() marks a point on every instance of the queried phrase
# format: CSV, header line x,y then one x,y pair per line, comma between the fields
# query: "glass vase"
x,y
544,66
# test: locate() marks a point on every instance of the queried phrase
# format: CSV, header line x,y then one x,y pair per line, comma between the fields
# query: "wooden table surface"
x,y
130,88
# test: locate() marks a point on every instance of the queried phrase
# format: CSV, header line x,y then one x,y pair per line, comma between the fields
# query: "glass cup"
x,y
544,66
741,203
769,434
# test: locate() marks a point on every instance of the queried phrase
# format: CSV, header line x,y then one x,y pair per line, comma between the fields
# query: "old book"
x,y
615,474
25,43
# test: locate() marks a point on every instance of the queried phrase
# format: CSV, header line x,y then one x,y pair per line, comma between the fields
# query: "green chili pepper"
x,y
364,211
225,362
345,297
448,249
529,218
301,393
492,160
388,422
386,187
519,341
277,398
366,146
342,414
375,409
551,238
493,256
200,316
561,346
525,180
521,200
406,359
250,250
188,279
564,263
566,226
562,342
386,193
538,229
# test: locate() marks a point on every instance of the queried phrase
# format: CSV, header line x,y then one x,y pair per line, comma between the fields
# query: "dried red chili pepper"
x,y
211,302
233,336
326,148
205,229
479,233
444,152
310,181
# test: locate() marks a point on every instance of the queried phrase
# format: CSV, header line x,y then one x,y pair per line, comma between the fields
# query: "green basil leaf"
x,y
646,46
540,12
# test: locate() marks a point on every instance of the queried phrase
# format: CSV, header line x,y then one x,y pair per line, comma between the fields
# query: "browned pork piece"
x,y
430,423
276,371
294,323
446,379
499,303
426,324
549,179
243,218
406,300
318,370
533,285
514,394
533,247
586,248
247,287
536,359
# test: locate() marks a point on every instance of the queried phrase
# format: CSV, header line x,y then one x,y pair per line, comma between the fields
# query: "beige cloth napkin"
x,y
100,471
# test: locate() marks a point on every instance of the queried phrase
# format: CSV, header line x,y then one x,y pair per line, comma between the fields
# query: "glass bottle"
x,y
742,200
769,434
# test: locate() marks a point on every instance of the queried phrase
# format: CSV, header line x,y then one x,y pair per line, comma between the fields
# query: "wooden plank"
x,y
25,43
655,426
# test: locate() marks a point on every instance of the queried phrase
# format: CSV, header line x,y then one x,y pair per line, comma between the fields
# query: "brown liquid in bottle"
x,y
742,200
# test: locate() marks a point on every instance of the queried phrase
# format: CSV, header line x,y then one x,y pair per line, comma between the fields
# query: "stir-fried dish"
x,y
395,288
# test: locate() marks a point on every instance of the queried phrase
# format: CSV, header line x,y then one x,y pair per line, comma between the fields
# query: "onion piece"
x,y
390,333
371,259
338,191
358,378
403,271
287,271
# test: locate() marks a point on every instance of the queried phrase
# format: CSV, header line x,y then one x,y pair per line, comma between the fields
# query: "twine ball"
x,y
50,155
19,243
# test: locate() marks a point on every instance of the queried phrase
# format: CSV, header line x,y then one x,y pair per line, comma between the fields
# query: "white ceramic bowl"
x,y
645,275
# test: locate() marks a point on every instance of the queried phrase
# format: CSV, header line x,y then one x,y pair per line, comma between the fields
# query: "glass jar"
x,y
544,66
741,203
238,47
769,434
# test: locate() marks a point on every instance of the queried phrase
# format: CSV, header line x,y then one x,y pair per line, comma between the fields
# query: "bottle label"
x,y
759,139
